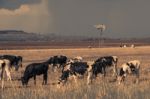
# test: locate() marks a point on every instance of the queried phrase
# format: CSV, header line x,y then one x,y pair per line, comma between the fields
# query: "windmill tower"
x,y
101,28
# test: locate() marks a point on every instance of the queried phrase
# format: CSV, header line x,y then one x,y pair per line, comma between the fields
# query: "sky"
x,y
123,18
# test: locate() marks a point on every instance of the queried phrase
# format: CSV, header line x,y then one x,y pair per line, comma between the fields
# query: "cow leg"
x,y
104,71
0,74
75,78
34,79
89,78
45,79
2,78
94,74
121,79
115,70
137,75
58,66
65,81
53,66
62,67
8,74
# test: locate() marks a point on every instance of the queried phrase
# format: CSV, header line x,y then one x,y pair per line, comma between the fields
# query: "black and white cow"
x,y
15,61
105,62
131,67
73,69
58,61
5,67
34,69
100,65
94,69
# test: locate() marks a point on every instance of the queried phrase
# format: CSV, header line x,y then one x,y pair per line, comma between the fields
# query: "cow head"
x,y
121,75
50,60
132,67
67,65
64,76
24,81
18,62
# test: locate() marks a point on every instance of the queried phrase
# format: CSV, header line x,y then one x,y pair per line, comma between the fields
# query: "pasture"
x,y
101,88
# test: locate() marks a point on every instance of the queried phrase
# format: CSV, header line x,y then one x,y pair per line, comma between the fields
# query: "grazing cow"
x,y
107,61
94,69
57,61
4,67
73,69
100,65
15,61
35,69
131,67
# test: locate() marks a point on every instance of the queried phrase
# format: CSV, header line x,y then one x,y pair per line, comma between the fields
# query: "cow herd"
x,y
69,68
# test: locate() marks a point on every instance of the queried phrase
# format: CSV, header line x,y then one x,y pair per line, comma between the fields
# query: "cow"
x,y
100,65
57,61
5,67
131,67
94,69
132,46
15,61
108,61
73,69
34,69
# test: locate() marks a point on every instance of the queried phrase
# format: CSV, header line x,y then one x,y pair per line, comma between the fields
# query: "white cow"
x,y
5,67
131,67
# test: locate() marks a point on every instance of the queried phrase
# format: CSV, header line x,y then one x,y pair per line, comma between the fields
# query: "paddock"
x,y
41,55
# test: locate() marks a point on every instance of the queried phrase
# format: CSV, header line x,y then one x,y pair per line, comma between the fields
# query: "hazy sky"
x,y
123,18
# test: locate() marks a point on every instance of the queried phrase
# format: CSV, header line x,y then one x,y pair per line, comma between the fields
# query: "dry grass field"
x,y
101,88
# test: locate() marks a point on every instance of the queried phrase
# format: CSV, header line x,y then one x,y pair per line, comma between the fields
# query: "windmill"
x,y
100,27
